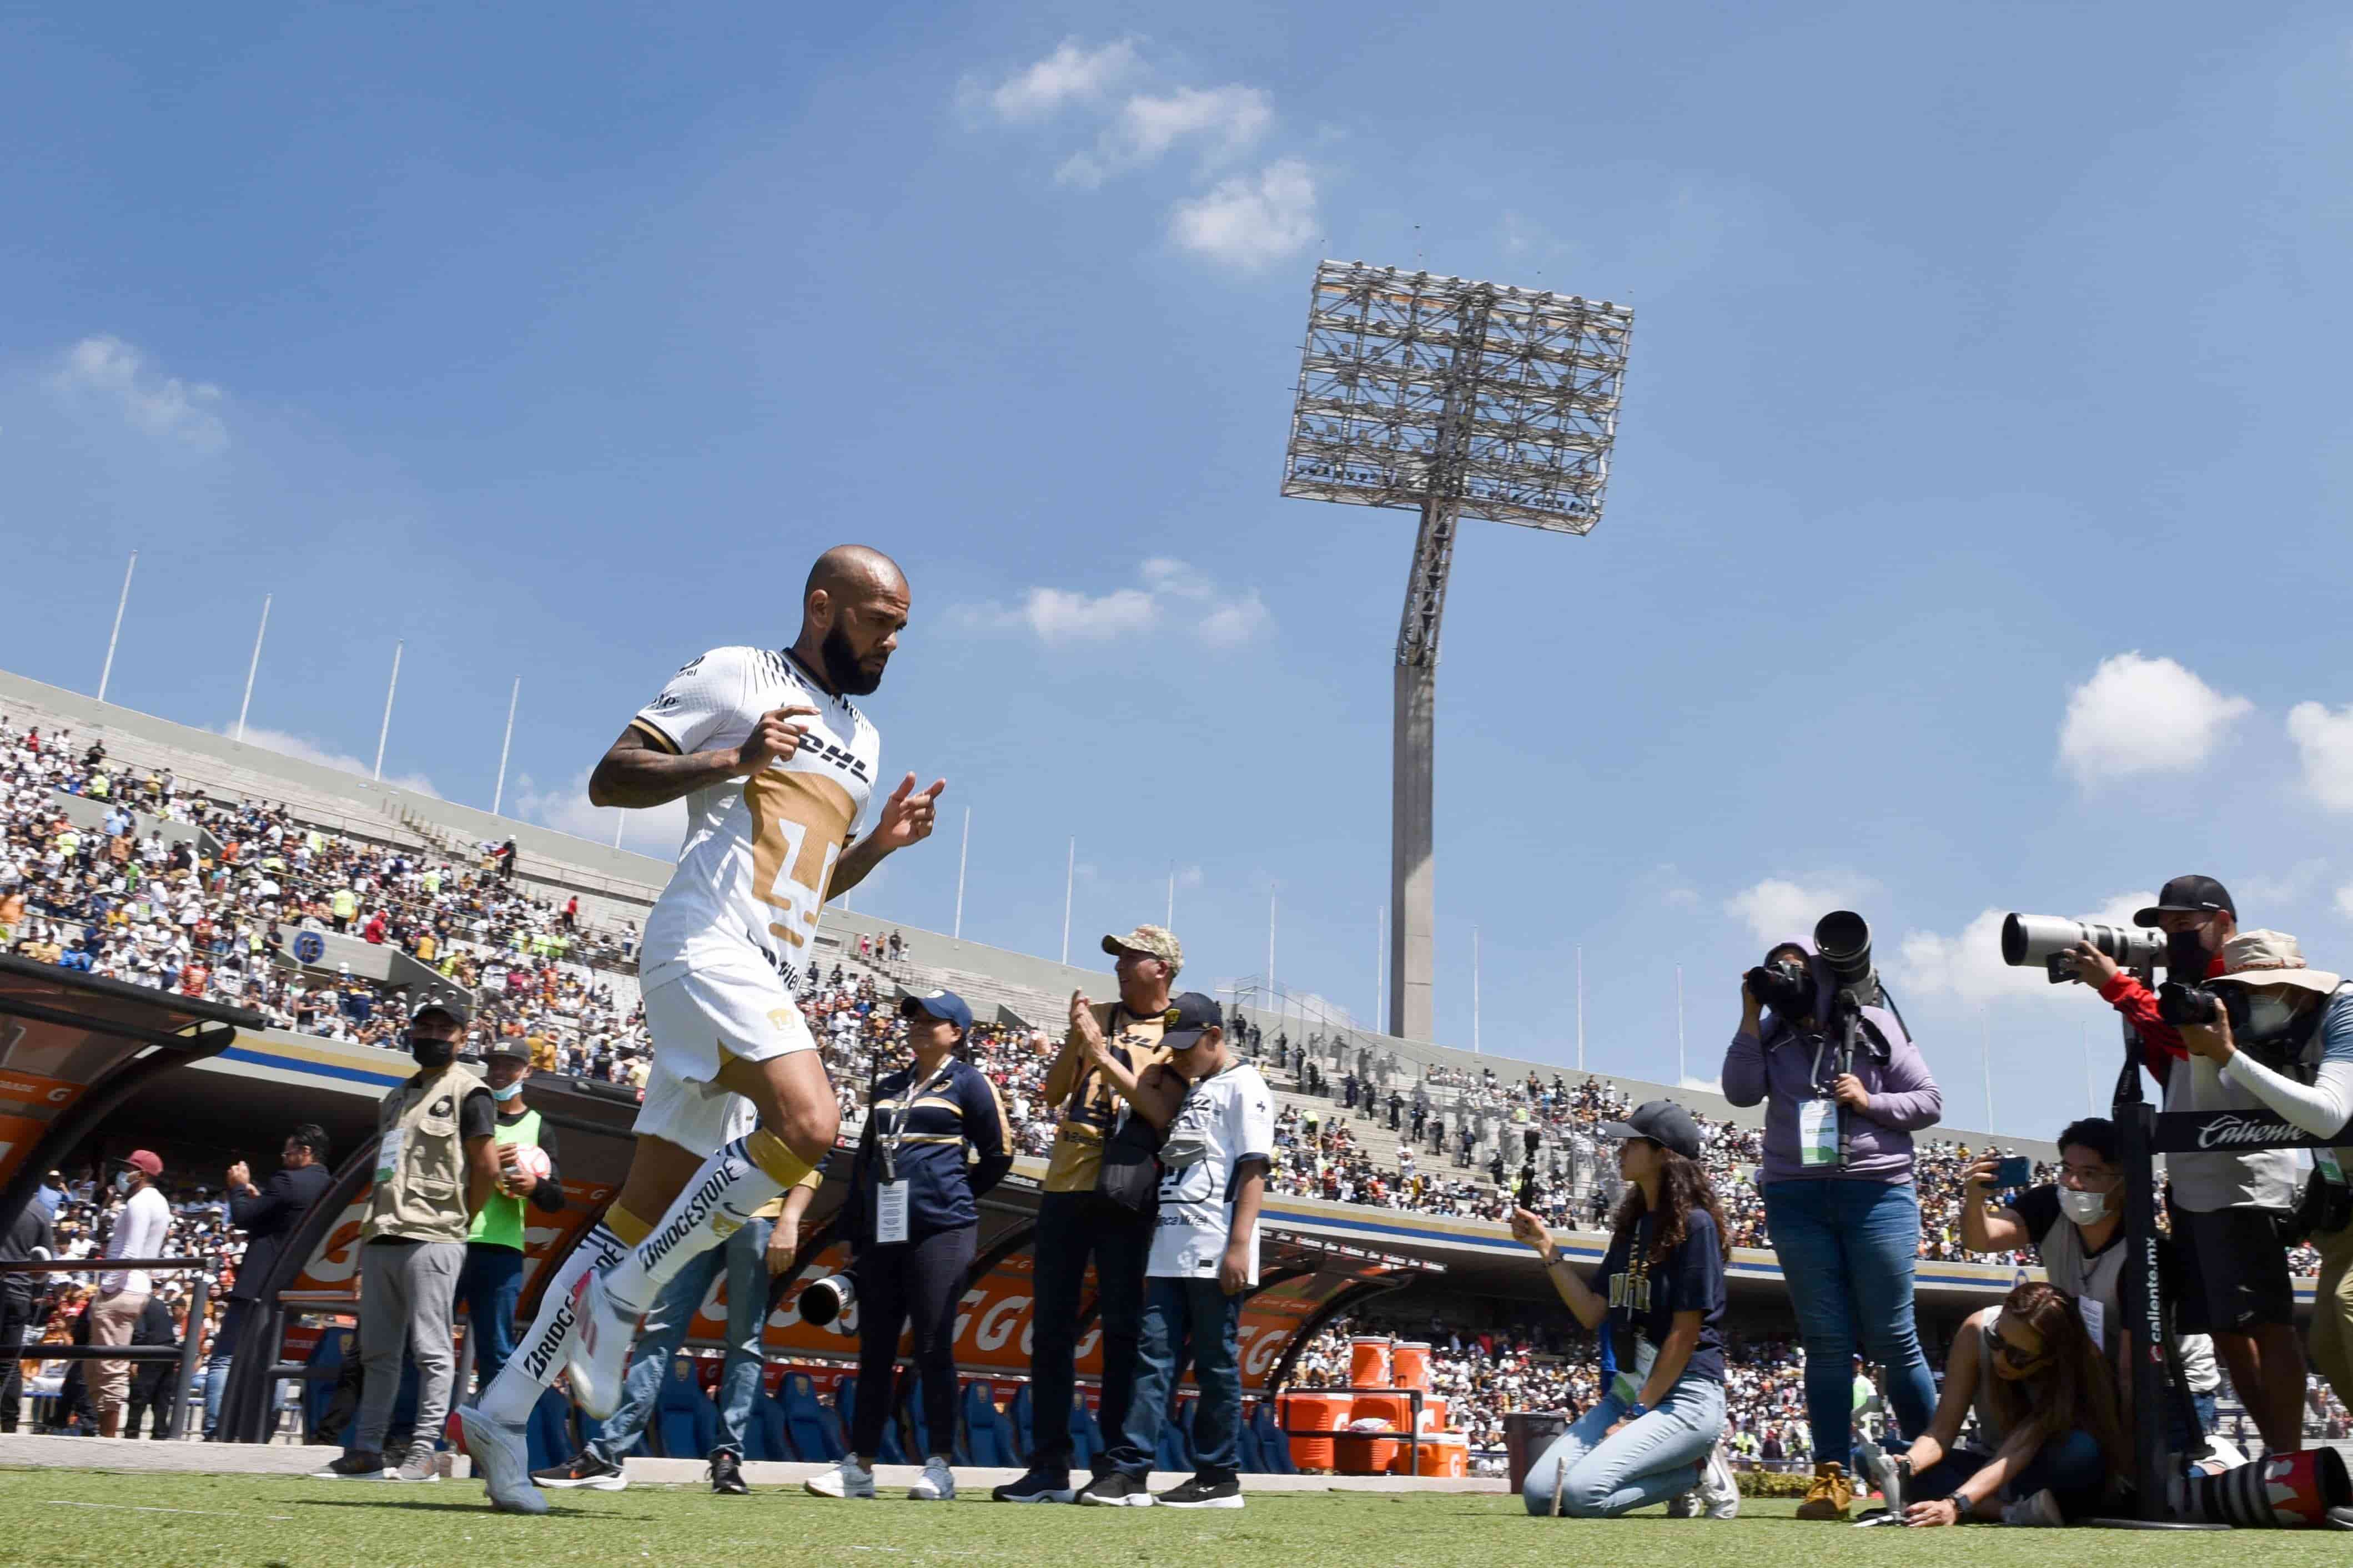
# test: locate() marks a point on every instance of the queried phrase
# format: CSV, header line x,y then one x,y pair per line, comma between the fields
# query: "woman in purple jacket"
x,y
1839,1200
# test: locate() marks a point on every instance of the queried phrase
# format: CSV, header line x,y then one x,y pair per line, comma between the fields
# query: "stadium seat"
x,y
764,1431
806,1430
1247,1456
1273,1447
844,1401
1017,1420
1086,1437
684,1421
548,1436
987,1436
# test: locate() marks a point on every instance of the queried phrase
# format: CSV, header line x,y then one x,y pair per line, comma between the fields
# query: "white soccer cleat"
x,y
598,1354
846,1478
502,1460
1718,1494
937,1484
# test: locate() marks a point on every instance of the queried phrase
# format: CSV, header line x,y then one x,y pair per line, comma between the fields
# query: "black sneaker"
x,y
1037,1486
727,1475
1116,1490
1198,1493
582,1469
355,1465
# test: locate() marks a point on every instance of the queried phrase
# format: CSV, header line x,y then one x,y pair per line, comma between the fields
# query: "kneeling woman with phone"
x,y
2045,1404
1660,1290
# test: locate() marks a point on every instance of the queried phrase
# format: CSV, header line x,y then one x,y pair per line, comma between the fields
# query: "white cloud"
x,y
1969,967
1231,119
1776,910
107,371
2138,715
1071,74
1249,220
1057,616
656,830
308,751
2324,741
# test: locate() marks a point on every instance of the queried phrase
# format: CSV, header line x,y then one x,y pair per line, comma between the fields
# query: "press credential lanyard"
x,y
890,1192
1818,1131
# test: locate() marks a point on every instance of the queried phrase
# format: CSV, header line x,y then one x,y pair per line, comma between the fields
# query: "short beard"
x,y
842,669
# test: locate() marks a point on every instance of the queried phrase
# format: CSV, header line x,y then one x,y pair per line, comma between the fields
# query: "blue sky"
x,y
1977,537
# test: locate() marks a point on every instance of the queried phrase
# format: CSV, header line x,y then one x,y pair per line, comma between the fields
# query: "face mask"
x,y
432,1053
2185,955
122,1181
503,1095
2269,1017
2083,1208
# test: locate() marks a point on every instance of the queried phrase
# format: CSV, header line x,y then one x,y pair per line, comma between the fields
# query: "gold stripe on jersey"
x,y
652,731
803,818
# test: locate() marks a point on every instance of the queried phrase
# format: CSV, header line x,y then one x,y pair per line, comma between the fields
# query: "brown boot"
x,y
1830,1495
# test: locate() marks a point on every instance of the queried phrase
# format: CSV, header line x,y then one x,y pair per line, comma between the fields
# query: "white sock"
x,y
540,1357
732,1186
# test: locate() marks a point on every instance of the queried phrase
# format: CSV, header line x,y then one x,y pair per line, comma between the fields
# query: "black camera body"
x,y
2180,1003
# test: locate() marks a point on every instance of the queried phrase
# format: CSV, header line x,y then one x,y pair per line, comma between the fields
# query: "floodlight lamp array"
x,y
1414,388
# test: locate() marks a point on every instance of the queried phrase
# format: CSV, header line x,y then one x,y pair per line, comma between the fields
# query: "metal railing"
x,y
191,1336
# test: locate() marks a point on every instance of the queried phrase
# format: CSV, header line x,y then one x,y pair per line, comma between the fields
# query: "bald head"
x,y
849,570
851,613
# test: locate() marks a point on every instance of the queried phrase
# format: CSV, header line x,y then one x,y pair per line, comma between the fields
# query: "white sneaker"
x,y
849,1479
502,1460
598,1352
937,1484
1718,1492
2041,1509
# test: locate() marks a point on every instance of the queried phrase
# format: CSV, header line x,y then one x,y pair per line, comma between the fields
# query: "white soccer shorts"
x,y
737,1007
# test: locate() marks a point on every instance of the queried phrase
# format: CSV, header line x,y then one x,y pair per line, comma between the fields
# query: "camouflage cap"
x,y
1156,942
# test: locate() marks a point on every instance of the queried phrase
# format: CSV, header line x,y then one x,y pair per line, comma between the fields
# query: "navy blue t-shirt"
x,y
1645,1296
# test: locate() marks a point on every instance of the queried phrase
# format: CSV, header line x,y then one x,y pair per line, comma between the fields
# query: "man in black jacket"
x,y
267,1215
30,1236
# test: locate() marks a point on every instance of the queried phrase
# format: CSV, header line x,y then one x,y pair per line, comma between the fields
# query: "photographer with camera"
x,y
2279,1034
913,1217
1845,1088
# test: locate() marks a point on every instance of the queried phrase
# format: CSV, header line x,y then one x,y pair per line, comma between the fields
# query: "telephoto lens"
x,y
823,1302
2050,940
1843,939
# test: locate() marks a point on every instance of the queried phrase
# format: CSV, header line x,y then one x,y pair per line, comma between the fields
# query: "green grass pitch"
x,y
84,1517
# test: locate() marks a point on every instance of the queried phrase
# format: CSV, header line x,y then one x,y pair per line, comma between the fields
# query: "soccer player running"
x,y
776,768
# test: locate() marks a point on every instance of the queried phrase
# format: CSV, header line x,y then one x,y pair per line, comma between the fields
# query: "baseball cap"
x,y
450,1004
1663,1122
2188,896
2271,958
1190,1015
944,1006
1154,942
507,1046
145,1160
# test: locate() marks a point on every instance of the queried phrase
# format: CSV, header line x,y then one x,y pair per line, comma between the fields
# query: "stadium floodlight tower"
x,y
1457,399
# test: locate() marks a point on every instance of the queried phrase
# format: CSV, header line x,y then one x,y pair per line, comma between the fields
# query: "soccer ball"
x,y
531,1161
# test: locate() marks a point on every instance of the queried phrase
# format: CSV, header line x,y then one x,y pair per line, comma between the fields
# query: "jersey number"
x,y
800,822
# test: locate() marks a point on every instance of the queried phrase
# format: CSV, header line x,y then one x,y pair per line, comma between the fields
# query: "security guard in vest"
x,y
492,1282
436,1162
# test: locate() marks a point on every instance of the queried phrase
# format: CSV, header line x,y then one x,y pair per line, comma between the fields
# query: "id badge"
x,y
890,1213
2324,1161
1628,1386
387,1154
1817,1132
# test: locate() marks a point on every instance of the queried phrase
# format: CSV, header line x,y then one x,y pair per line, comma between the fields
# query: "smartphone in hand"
x,y
2015,1170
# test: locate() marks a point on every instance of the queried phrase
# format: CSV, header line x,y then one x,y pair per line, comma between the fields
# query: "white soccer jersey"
x,y
759,852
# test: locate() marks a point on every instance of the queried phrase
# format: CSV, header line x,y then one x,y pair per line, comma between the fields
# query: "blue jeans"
x,y
1182,1315
744,1257
1847,1249
488,1286
217,1365
2067,1466
1658,1456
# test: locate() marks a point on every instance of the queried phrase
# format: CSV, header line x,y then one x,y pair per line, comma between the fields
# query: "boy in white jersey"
x,y
776,768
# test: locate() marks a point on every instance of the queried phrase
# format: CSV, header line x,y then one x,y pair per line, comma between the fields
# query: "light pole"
x,y
499,796
106,669
255,663
385,733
